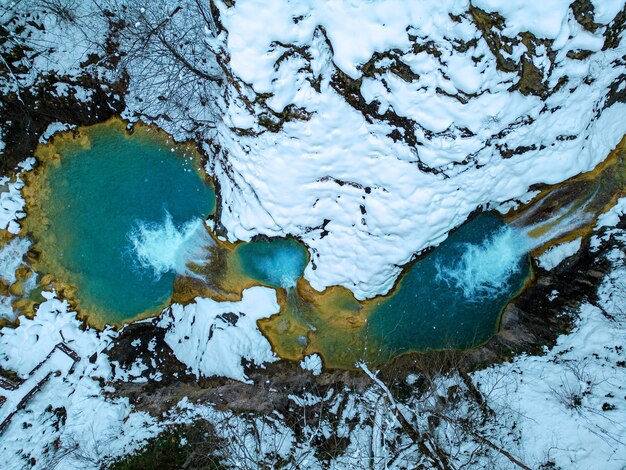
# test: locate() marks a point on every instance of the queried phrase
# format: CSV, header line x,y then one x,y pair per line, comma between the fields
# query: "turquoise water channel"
x,y
121,214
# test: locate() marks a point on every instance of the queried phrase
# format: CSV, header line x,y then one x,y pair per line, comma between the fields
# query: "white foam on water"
x,y
288,281
163,247
11,256
484,270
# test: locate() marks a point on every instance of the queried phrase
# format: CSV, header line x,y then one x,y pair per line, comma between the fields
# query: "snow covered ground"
x,y
213,337
58,361
570,404
363,194
369,130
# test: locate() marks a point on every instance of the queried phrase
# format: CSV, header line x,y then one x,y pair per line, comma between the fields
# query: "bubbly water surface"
x,y
277,262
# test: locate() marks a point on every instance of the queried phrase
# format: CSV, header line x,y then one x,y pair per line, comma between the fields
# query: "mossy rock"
x,y
4,288
46,280
17,289
33,256
24,306
23,272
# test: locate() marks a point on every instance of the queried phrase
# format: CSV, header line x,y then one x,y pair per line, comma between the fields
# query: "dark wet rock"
x,y
397,67
617,92
613,33
24,118
579,54
490,25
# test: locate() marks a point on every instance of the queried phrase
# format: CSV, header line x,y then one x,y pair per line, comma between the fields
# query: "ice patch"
x,y
163,247
312,363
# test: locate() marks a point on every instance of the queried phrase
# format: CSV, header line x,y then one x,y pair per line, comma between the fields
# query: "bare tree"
x,y
173,58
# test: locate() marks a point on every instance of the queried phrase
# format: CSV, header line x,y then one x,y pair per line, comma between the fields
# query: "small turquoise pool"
x,y
124,215
278,262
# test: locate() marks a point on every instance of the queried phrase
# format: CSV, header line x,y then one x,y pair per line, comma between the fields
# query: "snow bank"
x,y
212,338
553,256
11,201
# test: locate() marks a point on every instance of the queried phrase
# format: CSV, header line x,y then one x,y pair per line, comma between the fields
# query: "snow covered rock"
x,y
554,255
376,127
212,338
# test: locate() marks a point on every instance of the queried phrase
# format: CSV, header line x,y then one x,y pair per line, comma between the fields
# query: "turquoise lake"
x,y
120,215
126,214
453,298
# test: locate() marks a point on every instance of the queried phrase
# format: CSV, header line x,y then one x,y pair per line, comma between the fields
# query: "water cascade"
x,y
277,263
117,217
162,247
484,269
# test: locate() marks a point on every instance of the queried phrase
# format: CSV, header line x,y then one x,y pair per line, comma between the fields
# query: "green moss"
x,y
192,446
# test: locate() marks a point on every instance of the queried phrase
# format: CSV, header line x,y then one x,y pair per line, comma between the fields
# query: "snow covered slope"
x,y
370,129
